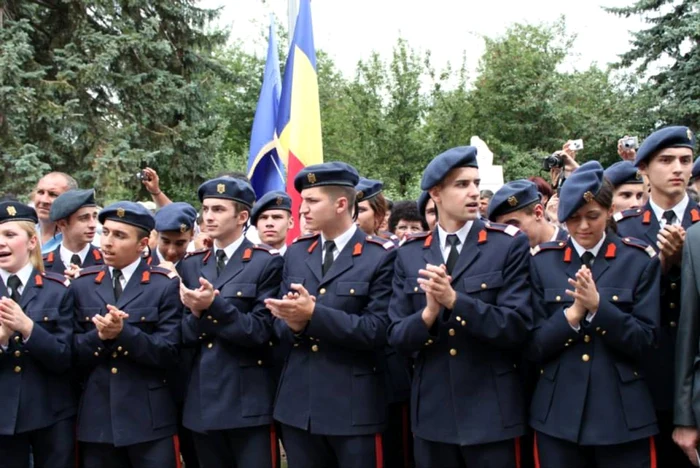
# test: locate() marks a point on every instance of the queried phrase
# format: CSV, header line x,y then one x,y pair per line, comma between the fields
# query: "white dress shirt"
x,y
340,242
462,234
67,254
679,211
230,249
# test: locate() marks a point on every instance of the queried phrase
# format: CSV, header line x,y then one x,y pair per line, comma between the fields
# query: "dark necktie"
x,y
328,258
453,242
117,283
75,260
14,283
587,259
220,261
669,216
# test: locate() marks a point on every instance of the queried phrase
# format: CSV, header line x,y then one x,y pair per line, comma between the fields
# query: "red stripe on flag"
x,y
293,168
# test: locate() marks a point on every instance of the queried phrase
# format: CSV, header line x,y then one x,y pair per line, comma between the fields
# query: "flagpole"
x,y
292,10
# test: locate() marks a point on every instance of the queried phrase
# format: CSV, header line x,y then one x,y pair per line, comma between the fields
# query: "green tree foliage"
x,y
669,51
99,89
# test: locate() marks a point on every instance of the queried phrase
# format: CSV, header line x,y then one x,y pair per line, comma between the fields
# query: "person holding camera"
x,y
665,158
627,148
150,179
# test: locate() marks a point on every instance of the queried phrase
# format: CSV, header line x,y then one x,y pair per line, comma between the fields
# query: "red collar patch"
x,y
646,218
357,250
247,253
694,215
39,280
146,277
483,235
610,252
567,255
312,246
428,241
96,253
99,277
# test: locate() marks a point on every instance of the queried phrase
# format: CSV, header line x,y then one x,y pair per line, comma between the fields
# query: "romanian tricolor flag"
x,y
299,113
265,169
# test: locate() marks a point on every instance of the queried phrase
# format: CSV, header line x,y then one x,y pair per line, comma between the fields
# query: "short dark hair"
x,y
408,211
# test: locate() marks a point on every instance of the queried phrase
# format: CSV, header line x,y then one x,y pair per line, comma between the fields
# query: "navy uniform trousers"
x,y
228,403
127,416
467,406
37,402
659,361
592,406
331,398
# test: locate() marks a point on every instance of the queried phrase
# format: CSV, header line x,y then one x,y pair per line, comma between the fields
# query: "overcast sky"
x,y
349,31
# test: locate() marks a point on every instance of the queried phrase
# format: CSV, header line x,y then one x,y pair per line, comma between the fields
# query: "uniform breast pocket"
x,y
352,294
48,318
84,315
145,318
256,386
486,286
162,406
557,296
240,292
368,395
617,296
542,399
635,397
413,292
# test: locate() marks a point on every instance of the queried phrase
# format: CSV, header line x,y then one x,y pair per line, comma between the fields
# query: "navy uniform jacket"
x,y
466,385
332,382
53,263
232,379
659,361
591,390
35,385
126,398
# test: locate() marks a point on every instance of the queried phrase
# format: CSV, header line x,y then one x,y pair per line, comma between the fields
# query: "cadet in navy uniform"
x,y
36,309
461,304
175,227
518,203
228,404
628,186
335,291
666,158
272,217
596,305
128,318
75,214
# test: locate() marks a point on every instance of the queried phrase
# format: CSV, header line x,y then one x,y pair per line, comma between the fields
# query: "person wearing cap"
x,y
336,285
272,216
461,306
175,227
695,175
628,185
426,208
75,214
127,317
596,306
38,405
518,203
228,403
665,158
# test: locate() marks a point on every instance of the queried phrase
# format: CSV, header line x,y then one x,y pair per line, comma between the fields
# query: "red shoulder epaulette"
x,y
49,257
385,243
553,245
634,242
53,277
96,254
163,271
305,237
507,228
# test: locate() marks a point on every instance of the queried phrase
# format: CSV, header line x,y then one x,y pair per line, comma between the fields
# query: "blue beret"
x,y
177,216
368,188
228,188
623,172
696,169
128,213
270,201
71,201
442,164
423,202
16,211
667,137
580,188
513,196
330,173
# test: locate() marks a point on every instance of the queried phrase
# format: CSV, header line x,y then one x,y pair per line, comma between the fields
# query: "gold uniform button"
x,y
18,353
314,348
672,305
322,291
603,332
18,369
571,340
483,286
210,345
96,354
673,324
430,341
558,298
451,332
615,298
114,370
120,349
296,345
260,363
541,371
636,374
16,339
239,294
587,338
597,329
126,353
209,317
215,322
143,319
674,285
453,352
459,319
46,319
415,289
352,291
270,343
585,358
464,323
114,355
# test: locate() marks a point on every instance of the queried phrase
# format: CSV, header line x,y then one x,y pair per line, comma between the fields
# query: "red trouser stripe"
x,y
176,444
405,426
652,452
517,452
273,445
378,450
535,452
